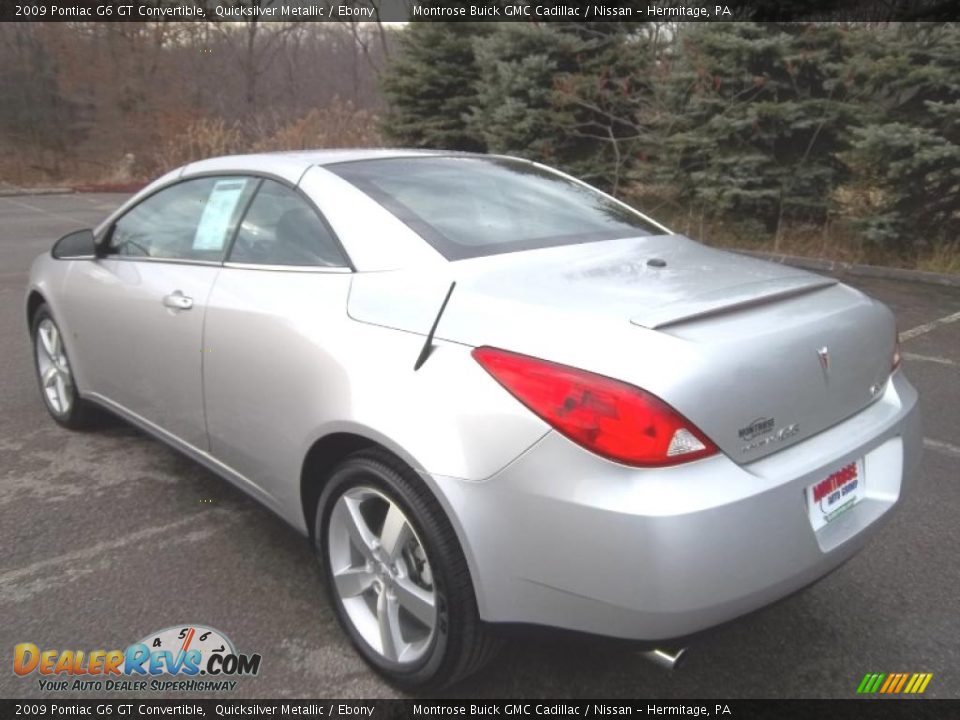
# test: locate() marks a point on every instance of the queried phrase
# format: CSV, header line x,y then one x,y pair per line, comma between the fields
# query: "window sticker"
x,y
215,222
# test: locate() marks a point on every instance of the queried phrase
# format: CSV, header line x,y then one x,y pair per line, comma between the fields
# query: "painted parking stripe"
x,y
55,215
927,327
942,447
19,584
931,358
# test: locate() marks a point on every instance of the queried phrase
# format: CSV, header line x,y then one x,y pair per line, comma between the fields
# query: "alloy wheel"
x,y
382,575
56,379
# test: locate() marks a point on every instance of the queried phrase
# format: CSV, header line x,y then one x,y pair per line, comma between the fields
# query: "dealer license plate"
x,y
832,496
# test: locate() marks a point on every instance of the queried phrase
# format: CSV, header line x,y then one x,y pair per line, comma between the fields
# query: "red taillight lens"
x,y
613,419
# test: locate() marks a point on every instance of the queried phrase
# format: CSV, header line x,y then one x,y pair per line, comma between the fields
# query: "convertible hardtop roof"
x,y
328,157
294,163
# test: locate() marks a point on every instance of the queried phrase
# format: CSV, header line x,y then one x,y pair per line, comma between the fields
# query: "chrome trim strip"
x,y
235,265
172,261
288,268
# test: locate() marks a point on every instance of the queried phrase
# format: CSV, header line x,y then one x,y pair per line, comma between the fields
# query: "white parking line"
x,y
22,583
942,447
28,206
927,327
930,358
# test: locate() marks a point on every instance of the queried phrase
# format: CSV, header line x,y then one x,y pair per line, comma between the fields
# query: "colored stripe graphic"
x,y
890,680
897,682
894,683
900,682
870,683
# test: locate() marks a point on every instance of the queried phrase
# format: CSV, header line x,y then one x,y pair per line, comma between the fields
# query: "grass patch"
x,y
177,140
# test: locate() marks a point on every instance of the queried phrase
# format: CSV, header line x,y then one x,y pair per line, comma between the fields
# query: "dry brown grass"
x,y
182,139
197,139
336,125
942,259
339,125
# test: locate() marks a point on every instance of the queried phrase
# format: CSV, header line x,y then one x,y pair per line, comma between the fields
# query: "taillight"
x,y
611,418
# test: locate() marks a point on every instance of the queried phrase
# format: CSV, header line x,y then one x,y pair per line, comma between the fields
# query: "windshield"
x,y
469,207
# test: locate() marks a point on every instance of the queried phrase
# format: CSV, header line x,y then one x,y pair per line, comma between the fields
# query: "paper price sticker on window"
x,y
215,222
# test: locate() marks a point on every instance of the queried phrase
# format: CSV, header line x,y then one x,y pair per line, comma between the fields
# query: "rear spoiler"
x,y
730,299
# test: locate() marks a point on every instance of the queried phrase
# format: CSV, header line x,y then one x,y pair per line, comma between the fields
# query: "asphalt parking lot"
x,y
110,535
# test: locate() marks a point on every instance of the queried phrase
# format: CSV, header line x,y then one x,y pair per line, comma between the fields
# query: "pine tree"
x,y
759,112
564,94
907,154
514,112
431,86
611,99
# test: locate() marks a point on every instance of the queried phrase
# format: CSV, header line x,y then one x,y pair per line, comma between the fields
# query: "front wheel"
x,y
396,575
55,374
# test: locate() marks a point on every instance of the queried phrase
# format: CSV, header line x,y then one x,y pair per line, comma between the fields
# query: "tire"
x,y
426,562
55,374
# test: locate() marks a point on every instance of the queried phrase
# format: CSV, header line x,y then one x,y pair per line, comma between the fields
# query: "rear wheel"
x,y
55,374
396,575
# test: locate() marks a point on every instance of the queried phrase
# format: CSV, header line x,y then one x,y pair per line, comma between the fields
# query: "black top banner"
x,y
885,709
478,10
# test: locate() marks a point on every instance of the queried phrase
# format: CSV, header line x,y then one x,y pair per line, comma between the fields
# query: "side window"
x,y
281,228
192,220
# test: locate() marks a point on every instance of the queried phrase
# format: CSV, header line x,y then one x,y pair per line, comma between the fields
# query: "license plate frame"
x,y
836,494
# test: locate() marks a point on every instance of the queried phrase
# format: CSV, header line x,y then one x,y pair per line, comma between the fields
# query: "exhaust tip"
x,y
669,659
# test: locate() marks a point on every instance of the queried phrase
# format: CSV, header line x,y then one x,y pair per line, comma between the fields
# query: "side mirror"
x,y
77,245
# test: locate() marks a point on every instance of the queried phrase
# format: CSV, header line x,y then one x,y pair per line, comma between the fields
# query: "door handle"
x,y
178,301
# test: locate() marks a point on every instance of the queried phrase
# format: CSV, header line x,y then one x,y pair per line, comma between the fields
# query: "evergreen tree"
x,y
564,94
432,85
909,147
759,112
750,121
612,98
514,112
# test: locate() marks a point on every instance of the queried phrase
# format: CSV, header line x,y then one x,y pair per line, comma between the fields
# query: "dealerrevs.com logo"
x,y
186,657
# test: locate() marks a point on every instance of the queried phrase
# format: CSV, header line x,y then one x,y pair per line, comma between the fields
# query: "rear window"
x,y
471,207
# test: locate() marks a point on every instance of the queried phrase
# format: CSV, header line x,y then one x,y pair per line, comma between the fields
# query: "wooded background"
x,y
128,100
833,139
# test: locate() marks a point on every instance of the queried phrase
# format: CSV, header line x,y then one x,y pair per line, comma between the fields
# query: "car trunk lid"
x,y
731,342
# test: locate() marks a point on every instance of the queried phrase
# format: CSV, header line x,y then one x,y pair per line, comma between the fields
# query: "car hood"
x,y
726,339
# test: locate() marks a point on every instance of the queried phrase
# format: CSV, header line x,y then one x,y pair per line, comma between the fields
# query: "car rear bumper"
x,y
561,537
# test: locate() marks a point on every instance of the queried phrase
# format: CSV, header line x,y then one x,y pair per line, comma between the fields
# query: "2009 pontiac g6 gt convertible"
x,y
486,391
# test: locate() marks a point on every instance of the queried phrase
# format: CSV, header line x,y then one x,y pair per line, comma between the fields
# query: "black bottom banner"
x,y
874,709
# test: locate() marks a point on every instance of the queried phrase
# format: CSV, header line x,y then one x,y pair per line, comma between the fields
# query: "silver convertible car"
x,y
486,391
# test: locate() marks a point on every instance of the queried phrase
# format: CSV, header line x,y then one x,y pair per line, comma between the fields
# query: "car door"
x,y
137,312
279,301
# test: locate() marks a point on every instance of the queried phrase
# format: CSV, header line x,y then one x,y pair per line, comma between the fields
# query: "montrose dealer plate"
x,y
829,498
